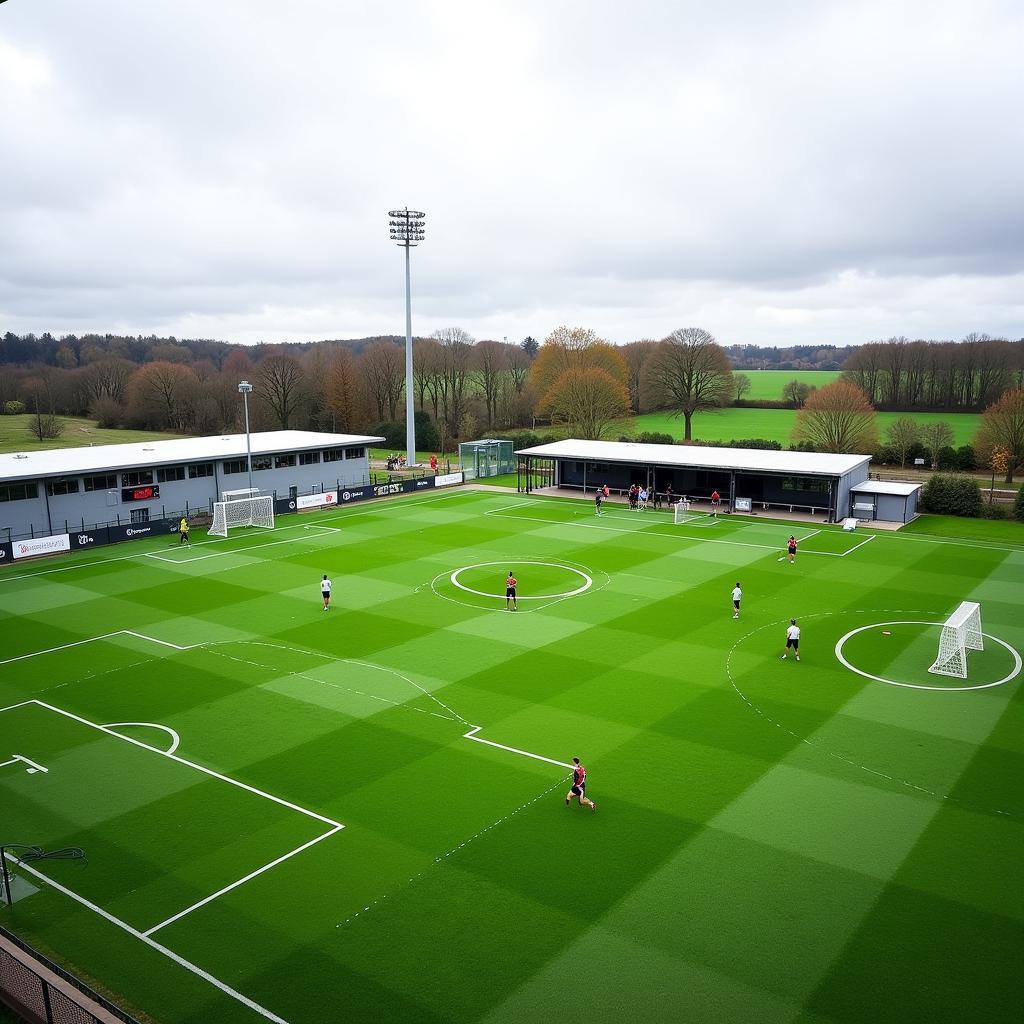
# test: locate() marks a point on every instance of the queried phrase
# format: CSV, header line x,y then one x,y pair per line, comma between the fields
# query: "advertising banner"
x,y
89,538
41,546
351,494
447,479
136,531
6,552
305,501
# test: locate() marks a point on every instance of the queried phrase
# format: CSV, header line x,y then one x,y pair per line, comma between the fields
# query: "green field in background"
x,y
768,384
777,424
774,840
78,433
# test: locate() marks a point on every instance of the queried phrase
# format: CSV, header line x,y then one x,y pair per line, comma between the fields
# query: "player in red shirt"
x,y
791,548
510,592
716,500
579,786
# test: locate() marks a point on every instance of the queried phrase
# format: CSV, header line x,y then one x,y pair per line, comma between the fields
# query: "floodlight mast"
x,y
244,389
408,229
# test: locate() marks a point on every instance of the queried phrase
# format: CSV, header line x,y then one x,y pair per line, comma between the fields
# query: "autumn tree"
x,y
838,418
1002,426
278,387
691,373
342,389
901,435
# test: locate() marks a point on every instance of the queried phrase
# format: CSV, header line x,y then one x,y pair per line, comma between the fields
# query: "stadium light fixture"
x,y
244,388
408,229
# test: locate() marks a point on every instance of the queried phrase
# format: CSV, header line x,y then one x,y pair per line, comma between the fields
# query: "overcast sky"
x,y
777,173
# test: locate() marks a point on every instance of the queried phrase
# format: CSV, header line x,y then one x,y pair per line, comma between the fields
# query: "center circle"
x,y
921,686
586,585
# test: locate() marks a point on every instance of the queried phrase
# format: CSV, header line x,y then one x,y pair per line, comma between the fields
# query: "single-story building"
x,y
43,492
887,501
747,479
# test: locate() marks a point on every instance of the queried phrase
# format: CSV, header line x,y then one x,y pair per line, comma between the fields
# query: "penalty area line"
x,y
472,735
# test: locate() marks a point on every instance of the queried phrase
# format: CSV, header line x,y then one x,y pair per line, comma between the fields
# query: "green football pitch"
x,y
307,816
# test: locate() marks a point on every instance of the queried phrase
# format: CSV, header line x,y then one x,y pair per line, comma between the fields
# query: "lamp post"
x,y
407,229
244,387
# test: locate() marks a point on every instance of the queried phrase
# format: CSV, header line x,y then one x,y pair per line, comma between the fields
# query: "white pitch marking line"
x,y
175,738
241,881
472,735
518,504
860,545
34,767
153,944
190,764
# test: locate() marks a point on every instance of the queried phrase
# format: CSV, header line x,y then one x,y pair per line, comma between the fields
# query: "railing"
x,y
44,993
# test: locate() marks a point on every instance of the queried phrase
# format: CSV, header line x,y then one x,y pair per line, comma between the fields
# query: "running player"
x,y
716,500
579,786
737,596
183,532
510,592
792,639
598,498
325,592
791,548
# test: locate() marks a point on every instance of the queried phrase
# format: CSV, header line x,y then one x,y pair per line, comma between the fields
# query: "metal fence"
x,y
44,993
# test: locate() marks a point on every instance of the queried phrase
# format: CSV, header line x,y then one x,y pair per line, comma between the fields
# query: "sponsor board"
x,y
350,494
6,552
41,546
447,479
304,501
743,505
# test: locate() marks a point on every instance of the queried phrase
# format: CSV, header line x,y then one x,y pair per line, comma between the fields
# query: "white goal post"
x,y
242,512
242,492
681,511
961,633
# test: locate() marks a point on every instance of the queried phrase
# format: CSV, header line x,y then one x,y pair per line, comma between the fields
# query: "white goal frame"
x,y
680,511
961,633
242,492
242,512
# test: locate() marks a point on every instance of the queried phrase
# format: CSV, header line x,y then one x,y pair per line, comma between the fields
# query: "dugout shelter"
x,y
43,492
748,479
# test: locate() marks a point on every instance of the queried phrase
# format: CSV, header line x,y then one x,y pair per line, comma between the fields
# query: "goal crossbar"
x,y
961,633
681,512
228,515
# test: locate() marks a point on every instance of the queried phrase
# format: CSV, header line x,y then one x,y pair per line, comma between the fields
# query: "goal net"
x,y
242,492
242,512
961,633
681,512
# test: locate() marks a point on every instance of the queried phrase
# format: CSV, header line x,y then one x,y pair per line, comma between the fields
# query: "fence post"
x,y
46,1001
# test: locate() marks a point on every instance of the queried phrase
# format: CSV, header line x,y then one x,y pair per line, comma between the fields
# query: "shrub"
x,y
393,434
762,443
427,439
946,494
966,458
1018,505
947,458
651,437
996,511
14,407
107,412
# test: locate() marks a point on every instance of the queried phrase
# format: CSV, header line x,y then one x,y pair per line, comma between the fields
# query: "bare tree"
x,y
383,371
741,385
637,355
690,372
279,386
838,418
162,395
934,436
456,347
796,392
342,391
518,368
901,435
487,365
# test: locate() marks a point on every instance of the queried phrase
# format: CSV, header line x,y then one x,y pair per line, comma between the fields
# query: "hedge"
x,y
947,494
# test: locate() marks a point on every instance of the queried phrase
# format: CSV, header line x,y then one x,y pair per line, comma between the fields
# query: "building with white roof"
x,y
747,479
887,501
42,492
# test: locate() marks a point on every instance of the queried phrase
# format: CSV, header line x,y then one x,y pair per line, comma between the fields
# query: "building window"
x,y
101,483
284,461
140,515
65,486
138,478
200,469
18,492
814,484
355,453
262,462
235,466
308,458
332,454
170,473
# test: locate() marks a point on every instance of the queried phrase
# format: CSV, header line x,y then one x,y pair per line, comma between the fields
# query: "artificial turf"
x,y
774,841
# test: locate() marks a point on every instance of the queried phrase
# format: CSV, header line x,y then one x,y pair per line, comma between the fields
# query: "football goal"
x,y
681,512
242,512
961,633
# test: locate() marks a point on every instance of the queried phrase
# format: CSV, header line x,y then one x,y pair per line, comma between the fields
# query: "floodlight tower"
x,y
245,389
407,229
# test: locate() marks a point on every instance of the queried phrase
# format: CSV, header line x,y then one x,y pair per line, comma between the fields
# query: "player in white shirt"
x,y
737,596
325,592
792,639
